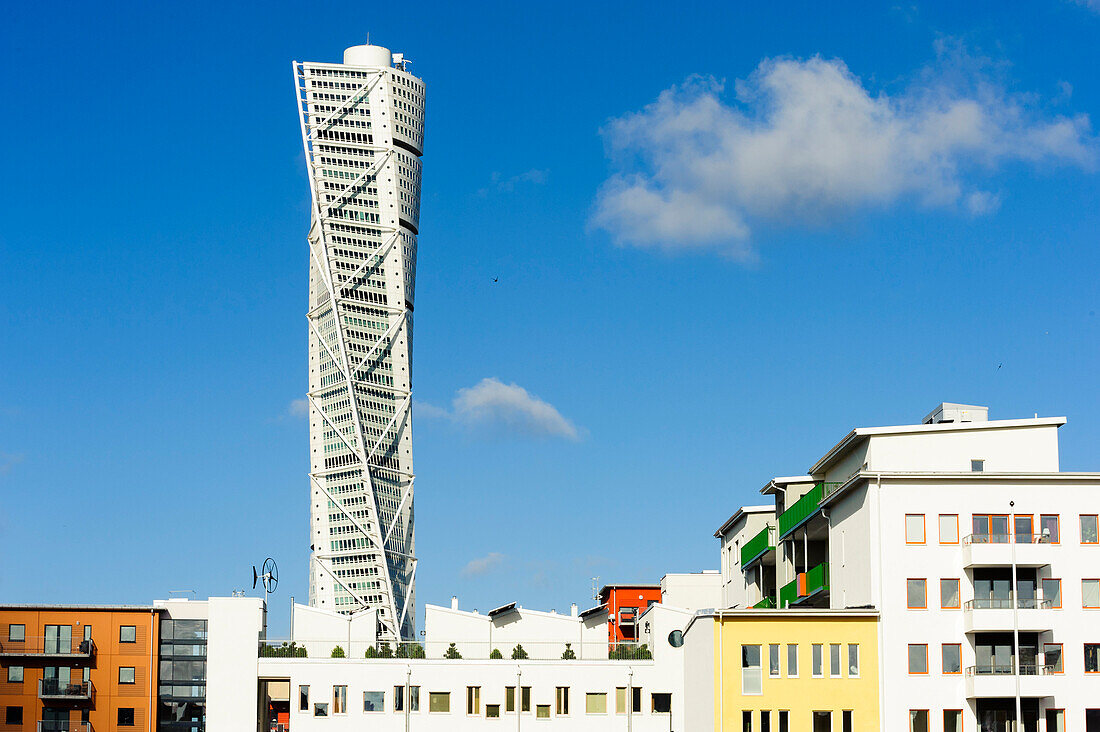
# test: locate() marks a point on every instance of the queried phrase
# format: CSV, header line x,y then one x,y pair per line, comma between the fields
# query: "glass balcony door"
x,y
59,639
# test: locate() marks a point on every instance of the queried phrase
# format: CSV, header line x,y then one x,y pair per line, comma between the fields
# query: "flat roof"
x,y
743,511
594,611
860,433
52,606
788,614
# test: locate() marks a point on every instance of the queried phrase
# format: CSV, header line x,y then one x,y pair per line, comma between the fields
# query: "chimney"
x,y
454,602
573,609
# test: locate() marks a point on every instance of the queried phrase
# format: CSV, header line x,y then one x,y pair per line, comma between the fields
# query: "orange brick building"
x,y
73,668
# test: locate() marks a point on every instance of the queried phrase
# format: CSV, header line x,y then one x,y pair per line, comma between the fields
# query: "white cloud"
x,y
491,402
534,176
298,408
1093,5
482,565
804,141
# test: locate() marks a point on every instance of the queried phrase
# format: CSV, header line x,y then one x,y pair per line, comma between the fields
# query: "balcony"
x,y
768,603
996,550
51,649
994,614
805,586
804,508
999,681
64,726
51,690
758,546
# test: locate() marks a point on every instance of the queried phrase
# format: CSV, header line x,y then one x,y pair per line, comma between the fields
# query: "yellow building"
x,y
785,670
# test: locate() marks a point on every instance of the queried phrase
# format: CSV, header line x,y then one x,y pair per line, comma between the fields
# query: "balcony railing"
x,y
767,603
758,546
47,647
1008,669
468,650
54,690
64,726
805,585
804,508
1005,603
1017,538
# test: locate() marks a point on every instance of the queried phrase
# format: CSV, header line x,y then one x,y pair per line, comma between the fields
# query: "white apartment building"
x,y
362,125
981,557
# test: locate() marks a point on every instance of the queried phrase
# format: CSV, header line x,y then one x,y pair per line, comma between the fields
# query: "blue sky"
x,y
725,234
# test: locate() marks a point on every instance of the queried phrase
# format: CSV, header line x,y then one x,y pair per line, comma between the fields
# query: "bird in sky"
x,y
496,279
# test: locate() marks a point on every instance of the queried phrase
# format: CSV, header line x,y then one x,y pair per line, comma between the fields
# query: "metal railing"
x,y
1008,669
1005,603
469,650
805,507
1017,538
806,584
64,726
42,646
54,689
758,546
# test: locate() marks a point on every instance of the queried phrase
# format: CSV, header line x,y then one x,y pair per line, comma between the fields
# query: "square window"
x,y
1090,593
17,633
542,711
15,674
949,528
127,634
916,594
439,701
126,717
126,675
1050,529
949,594
976,466
375,701
918,660
1089,529
595,703
661,702
320,709
13,715
914,528
492,711
952,658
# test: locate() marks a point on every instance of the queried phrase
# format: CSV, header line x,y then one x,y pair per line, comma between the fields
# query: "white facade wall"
x,y
320,630
542,634
735,586
699,670
692,591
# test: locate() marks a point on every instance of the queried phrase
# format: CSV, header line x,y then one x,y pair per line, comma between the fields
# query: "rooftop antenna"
x,y
595,588
269,575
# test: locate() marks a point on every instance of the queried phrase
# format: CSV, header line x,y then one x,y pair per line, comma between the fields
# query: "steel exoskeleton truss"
x,y
390,540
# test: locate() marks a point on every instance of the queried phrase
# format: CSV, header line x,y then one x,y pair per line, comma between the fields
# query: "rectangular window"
x,y
1088,529
542,711
125,717
990,529
916,594
949,528
439,701
952,658
918,720
595,702
746,720
976,466
620,700
1024,528
127,634
660,702
126,674
918,659
823,722
339,699
561,700
853,660
792,660
834,659
374,701
1052,657
914,528
846,721
635,699
398,699
15,674
473,700
949,594
773,660
13,716
414,698
817,668
952,720
1052,592
525,698
509,698
1050,529
765,721
303,698
784,721
492,711
1090,593
1092,658
1056,720
752,683
17,633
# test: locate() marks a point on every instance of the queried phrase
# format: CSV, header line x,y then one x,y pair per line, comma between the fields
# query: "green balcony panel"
x,y
766,604
817,579
814,580
757,546
804,508
788,594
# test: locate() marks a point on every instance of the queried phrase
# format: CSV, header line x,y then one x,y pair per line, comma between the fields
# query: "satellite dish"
x,y
270,575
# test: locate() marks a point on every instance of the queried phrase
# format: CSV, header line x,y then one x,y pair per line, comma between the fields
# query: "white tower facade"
x,y
362,130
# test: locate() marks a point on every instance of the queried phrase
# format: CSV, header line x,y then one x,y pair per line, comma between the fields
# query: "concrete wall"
x,y
542,634
1006,449
692,591
321,630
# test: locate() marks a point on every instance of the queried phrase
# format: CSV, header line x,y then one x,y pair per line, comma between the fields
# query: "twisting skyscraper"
x,y
363,130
